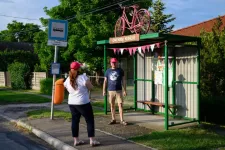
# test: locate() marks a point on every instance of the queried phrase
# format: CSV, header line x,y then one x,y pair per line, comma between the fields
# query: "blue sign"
x,y
57,30
55,68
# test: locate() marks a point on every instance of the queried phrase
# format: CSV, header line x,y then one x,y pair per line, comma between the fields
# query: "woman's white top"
x,y
79,96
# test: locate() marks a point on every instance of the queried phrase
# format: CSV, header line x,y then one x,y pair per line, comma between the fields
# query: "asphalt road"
x,y
15,138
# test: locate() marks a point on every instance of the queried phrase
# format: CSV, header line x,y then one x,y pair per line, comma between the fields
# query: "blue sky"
x,y
187,12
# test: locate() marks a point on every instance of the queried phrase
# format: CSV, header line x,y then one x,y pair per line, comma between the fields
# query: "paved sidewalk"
x,y
57,132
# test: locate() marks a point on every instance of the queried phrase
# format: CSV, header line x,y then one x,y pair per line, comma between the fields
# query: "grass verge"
x,y
101,104
183,139
13,97
45,113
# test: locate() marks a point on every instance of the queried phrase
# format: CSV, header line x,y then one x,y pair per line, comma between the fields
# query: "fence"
x,y
36,77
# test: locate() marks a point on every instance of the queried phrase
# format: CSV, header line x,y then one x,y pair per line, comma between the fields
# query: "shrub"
x,y
211,108
46,86
20,75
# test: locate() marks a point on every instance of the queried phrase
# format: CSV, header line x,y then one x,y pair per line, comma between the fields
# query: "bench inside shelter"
x,y
151,105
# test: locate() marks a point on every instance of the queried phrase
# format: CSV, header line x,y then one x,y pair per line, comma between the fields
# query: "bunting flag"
x,y
114,49
148,47
139,50
132,50
152,47
121,50
143,48
158,45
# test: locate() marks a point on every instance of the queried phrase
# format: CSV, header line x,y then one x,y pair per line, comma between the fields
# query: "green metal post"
x,y
173,83
166,87
105,67
135,81
198,78
153,87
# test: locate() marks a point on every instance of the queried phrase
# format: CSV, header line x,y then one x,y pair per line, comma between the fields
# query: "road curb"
x,y
56,143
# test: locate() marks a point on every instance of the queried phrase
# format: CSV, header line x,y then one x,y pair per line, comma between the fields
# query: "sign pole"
x,y
53,85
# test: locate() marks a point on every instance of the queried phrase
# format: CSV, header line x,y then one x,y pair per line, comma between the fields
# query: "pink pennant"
x,y
143,48
148,47
114,49
134,50
158,45
130,50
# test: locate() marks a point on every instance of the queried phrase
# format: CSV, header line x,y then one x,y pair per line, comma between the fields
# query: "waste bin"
x,y
59,91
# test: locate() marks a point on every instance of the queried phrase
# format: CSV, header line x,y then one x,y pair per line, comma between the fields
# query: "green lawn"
x,y
101,104
183,139
13,97
45,113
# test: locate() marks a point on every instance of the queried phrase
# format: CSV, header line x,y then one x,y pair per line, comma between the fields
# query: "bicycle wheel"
x,y
119,27
142,22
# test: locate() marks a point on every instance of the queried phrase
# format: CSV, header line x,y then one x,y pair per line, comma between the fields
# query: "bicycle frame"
x,y
130,25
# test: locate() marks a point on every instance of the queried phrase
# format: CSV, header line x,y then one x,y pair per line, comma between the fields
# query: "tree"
x,y
159,20
85,29
213,61
17,31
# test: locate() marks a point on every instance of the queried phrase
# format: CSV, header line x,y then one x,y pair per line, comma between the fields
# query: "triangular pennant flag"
x,y
118,51
114,49
139,50
143,48
121,50
158,45
134,50
152,47
130,50
148,46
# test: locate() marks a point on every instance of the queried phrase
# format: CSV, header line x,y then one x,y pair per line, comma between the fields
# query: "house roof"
x,y
16,46
195,30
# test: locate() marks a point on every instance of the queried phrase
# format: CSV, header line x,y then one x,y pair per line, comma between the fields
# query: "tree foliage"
x,y
90,23
159,20
17,31
213,61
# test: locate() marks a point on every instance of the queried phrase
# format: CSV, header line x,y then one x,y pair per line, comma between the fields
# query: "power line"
x,y
17,17
93,11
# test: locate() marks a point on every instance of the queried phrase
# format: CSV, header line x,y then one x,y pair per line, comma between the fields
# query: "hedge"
x,y
20,75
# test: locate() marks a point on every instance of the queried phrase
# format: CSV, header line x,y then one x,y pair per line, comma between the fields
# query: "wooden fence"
x,y
35,79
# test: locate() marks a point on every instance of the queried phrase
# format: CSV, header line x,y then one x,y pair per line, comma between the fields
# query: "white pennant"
x,y
121,50
152,47
139,50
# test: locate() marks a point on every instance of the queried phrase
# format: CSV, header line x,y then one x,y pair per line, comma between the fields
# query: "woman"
x,y
79,103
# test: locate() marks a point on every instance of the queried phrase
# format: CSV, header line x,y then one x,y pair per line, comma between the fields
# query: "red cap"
x,y
113,60
75,65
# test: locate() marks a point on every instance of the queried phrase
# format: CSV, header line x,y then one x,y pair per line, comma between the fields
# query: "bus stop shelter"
x,y
166,74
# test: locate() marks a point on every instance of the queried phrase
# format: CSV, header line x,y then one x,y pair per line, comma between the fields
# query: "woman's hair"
x,y
73,78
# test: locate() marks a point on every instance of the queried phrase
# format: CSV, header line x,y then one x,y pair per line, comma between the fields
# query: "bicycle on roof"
x,y
139,24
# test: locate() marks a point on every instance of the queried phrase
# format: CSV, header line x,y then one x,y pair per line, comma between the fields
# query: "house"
x,y
16,46
196,29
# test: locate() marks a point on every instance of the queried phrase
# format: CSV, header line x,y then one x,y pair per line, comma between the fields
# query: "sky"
x,y
187,12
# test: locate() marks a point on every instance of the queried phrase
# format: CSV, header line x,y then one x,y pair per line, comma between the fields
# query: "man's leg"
x,y
112,98
120,105
119,98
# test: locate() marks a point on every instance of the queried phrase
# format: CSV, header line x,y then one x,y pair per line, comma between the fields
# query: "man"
x,y
114,78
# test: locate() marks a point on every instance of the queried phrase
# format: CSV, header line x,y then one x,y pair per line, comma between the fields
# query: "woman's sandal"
x,y
95,143
80,142
123,123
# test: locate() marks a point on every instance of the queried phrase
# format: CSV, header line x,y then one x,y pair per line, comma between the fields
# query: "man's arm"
x,y
104,86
